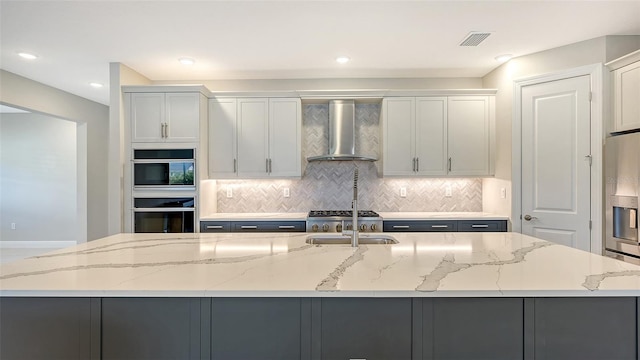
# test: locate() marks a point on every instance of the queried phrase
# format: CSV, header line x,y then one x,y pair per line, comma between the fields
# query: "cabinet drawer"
x,y
419,226
268,226
215,226
482,225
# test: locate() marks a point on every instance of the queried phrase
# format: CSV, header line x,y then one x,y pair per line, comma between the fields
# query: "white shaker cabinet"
x,y
625,78
165,117
414,136
470,137
255,138
438,136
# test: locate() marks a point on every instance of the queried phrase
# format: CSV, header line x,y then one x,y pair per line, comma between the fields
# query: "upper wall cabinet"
x,y
625,82
255,137
165,117
438,136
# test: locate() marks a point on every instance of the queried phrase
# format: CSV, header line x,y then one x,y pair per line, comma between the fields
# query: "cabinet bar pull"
x,y
266,165
248,227
162,130
166,130
417,164
235,165
449,164
286,227
214,226
270,168
414,165
479,226
401,226
439,226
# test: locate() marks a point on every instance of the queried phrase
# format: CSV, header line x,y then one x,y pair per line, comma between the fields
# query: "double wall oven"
x,y
622,181
164,191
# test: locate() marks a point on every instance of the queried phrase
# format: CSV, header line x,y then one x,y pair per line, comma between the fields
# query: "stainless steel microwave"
x,y
164,168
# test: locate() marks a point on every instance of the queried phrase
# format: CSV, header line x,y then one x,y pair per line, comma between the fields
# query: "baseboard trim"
x,y
36,244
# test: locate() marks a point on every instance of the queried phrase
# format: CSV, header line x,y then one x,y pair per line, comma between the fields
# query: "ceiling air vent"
x,y
474,38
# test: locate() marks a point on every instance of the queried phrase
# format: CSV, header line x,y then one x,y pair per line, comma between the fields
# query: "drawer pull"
x,y
480,226
439,226
248,227
401,226
213,227
286,227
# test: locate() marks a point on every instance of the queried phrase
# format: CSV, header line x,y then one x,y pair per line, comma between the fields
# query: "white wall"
x,y
91,118
38,172
562,58
120,75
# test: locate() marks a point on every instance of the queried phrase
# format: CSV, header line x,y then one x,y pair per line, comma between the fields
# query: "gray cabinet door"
x,y
585,328
364,328
260,328
150,328
473,329
45,328
482,225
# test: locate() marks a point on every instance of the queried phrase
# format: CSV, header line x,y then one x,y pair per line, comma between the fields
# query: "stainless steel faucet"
x,y
354,206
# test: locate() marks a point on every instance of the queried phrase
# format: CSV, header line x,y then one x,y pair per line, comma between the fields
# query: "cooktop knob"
x,y
374,227
349,226
314,227
363,227
325,227
339,228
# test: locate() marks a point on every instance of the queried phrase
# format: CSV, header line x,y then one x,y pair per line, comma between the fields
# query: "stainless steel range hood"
x,y
342,133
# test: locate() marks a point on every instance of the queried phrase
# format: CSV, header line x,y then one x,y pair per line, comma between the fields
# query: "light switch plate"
x,y
286,192
229,192
447,191
403,192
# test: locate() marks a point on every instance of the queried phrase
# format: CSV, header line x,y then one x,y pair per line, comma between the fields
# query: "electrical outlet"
x,y
447,191
286,192
503,193
229,192
403,192
13,226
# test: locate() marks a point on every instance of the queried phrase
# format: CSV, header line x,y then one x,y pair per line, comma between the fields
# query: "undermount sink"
x,y
346,240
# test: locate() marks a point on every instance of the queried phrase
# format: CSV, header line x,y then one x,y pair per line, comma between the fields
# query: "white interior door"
x,y
556,162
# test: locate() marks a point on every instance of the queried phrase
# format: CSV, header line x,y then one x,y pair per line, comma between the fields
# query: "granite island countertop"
x,y
284,265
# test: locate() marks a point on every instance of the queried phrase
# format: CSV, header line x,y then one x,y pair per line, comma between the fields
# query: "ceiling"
x,y
76,40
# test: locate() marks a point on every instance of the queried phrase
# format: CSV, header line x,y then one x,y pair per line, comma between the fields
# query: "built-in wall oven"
x,y
164,214
622,189
164,169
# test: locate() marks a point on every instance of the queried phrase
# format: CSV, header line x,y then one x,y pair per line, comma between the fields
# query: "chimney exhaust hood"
x,y
342,133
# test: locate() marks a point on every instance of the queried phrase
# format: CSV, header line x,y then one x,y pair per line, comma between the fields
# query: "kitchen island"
x,y
273,296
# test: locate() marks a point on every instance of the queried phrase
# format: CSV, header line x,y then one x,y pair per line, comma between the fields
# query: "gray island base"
x,y
437,296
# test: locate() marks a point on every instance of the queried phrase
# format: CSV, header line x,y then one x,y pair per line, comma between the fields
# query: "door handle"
x,y
529,217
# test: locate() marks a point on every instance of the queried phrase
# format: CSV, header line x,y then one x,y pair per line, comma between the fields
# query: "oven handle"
x,y
186,209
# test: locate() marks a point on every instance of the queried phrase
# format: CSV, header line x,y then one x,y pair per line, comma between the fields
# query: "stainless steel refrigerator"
x,y
622,189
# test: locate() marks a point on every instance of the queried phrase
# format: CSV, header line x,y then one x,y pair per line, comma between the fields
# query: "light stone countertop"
x,y
283,264
384,215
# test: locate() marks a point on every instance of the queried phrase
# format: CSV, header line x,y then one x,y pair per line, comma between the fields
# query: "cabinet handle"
x,y
479,226
417,164
414,165
439,226
162,130
270,168
248,227
166,130
286,227
266,165
401,226
449,164
213,227
235,165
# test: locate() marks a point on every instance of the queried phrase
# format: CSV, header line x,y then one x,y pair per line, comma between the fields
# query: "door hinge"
x,y
590,158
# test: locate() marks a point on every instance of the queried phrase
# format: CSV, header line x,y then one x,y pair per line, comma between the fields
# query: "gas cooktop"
x,y
342,213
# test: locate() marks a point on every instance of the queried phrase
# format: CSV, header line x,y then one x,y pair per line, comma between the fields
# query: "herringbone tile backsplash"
x,y
328,185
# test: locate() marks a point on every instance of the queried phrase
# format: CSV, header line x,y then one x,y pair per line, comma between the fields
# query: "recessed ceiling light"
x,y
27,56
342,59
504,57
96,85
187,61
